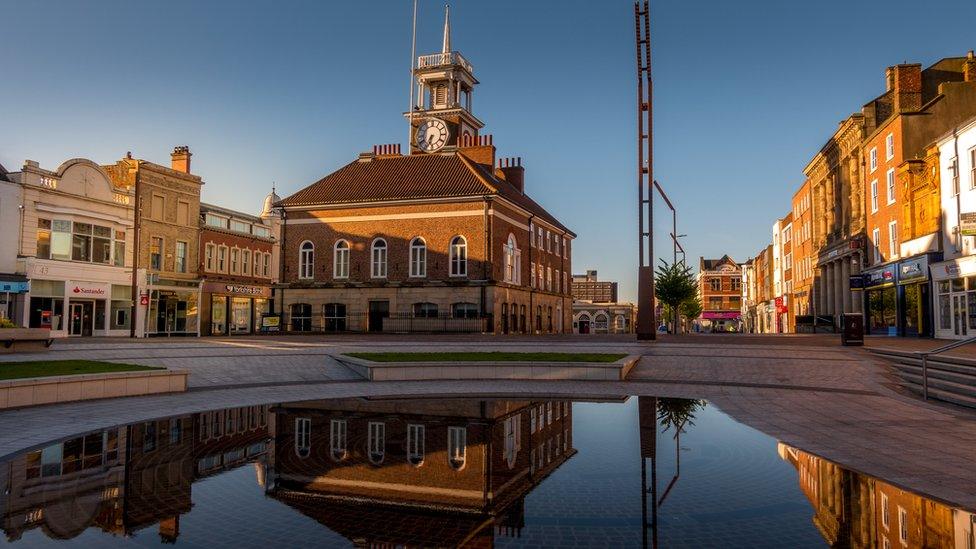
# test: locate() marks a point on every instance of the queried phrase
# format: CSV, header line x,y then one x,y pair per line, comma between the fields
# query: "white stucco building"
x,y
955,277
73,243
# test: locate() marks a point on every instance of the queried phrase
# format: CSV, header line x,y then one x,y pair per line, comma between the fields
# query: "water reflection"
x,y
124,479
475,472
854,510
417,473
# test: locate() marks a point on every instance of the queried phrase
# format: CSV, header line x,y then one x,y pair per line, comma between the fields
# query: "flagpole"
x,y
413,59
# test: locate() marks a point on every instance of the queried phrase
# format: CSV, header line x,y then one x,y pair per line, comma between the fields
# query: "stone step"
x,y
894,354
963,395
948,372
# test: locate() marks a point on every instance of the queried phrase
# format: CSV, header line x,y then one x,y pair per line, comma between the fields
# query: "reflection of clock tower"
x,y
442,115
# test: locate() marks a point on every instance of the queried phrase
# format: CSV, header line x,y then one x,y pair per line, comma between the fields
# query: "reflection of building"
x,y
445,473
237,263
444,238
854,510
124,479
603,318
75,230
586,287
720,290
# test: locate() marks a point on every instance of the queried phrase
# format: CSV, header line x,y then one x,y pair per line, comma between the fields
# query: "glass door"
x,y
959,314
240,315
218,315
75,319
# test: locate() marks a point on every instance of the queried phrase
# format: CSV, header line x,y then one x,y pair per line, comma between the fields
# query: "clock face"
x,y
432,135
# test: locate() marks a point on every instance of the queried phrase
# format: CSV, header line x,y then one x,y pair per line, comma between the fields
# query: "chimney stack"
x,y
906,87
969,68
511,170
478,148
181,158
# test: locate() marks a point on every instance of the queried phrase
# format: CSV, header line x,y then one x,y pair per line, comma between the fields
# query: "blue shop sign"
x,y
19,287
880,277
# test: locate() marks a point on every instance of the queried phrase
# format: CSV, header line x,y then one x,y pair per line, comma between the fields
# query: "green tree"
x,y
678,412
691,308
673,285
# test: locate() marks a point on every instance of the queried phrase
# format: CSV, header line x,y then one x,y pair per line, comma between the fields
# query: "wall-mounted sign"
x,y
144,299
880,277
18,287
967,223
857,282
94,290
236,289
913,270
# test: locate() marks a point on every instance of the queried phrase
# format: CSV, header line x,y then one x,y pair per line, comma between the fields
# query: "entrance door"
x,y
378,310
959,315
75,321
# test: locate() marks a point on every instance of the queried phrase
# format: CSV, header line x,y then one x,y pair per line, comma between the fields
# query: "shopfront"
x,y
914,296
12,290
955,298
721,321
881,300
233,309
77,308
173,309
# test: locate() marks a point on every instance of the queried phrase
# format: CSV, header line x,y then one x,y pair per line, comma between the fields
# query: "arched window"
x,y
512,439
457,440
418,257
600,321
340,260
378,263
619,323
415,443
377,442
459,256
464,310
303,436
511,255
306,260
337,439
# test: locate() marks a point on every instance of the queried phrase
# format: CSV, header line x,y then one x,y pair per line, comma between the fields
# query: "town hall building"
x,y
443,238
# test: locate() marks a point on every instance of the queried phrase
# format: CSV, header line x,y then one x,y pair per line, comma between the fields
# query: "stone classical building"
x,y
444,238
603,318
167,284
66,249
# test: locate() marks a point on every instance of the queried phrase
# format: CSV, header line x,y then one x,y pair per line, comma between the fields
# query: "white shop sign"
x,y
87,290
956,268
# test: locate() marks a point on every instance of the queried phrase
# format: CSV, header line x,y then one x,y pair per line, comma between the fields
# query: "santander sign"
x,y
79,290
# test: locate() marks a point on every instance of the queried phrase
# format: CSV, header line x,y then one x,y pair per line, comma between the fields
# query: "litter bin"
x,y
852,329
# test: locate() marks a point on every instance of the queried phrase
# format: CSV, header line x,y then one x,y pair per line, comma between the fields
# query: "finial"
x,y
447,29
272,187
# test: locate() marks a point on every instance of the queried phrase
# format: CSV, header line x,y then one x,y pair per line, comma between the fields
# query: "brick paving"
x,y
840,403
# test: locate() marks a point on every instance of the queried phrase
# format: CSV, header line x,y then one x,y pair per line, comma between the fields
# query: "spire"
x,y
447,29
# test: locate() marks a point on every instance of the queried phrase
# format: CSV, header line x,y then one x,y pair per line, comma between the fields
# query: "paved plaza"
x,y
840,403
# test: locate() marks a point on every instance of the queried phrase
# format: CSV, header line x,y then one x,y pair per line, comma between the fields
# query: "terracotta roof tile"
x,y
412,177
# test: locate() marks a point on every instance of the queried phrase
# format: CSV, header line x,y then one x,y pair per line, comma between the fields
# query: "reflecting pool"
x,y
468,472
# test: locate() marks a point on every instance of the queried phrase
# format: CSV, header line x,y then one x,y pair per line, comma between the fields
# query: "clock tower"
x,y
445,82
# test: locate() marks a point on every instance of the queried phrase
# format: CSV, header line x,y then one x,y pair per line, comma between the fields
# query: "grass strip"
x,y
495,356
47,368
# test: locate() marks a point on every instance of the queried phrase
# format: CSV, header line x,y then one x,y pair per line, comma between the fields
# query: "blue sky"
x,y
745,94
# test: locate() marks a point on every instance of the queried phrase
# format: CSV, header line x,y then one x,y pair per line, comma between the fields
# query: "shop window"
x,y
335,317
306,260
459,256
377,442
337,439
156,253
303,436
457,440
43,238
425,310
301,317
340,261
47,312
464,310
60,239
378,267
415,444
